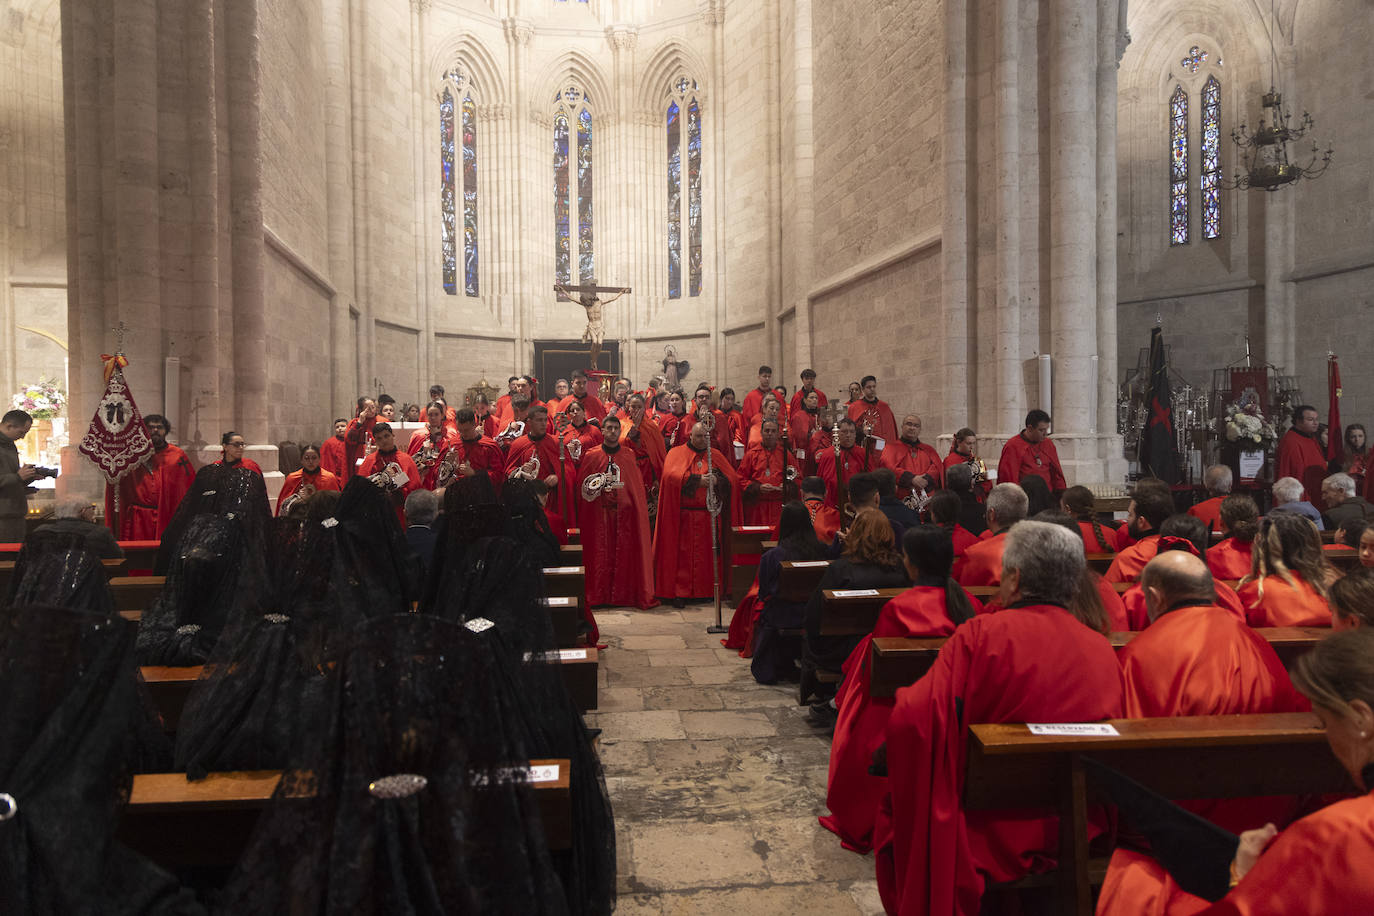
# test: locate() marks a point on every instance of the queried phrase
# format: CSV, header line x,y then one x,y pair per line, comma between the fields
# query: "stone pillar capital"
x,y
518,31
421,6
713,12
622,37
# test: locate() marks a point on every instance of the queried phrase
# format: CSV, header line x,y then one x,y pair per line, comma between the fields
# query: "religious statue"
x,y
587,298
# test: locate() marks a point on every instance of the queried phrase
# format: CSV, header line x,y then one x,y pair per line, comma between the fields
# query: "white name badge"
x,y
557,602
805,563
572,655
755,528
801,454
545,773
879,443
1095,729
561,570
855,593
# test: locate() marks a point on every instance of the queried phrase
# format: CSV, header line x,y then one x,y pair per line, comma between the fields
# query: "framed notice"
x,y
1251,463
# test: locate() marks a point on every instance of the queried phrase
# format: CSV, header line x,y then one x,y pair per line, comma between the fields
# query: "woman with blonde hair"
x,y
1290,578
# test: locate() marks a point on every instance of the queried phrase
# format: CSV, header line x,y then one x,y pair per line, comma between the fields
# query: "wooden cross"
x,y
588,297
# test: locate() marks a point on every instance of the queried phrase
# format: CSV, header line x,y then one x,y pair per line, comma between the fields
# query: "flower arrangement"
x,y
1245,423
42,401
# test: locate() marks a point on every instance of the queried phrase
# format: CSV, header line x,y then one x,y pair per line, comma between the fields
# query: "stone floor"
x,y
716,781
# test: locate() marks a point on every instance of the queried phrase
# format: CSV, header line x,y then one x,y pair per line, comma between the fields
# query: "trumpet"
x,y
305,491
448,468
390,477
527,471
596,484
511,433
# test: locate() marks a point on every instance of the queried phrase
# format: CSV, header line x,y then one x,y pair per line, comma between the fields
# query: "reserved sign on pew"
x,y
1101,729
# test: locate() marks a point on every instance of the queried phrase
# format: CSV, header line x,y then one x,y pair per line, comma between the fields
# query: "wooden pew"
x,y
1180,758
1100,562
179,823
134,593
572,554
574,535
898,661
748,541
566,582
114,567
169,687
1345,559
797,581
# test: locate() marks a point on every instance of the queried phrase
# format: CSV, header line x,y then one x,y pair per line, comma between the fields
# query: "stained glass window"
x,y
448,230
562,246
684,204
674,202
1178,167
572,187
1211,159
458,137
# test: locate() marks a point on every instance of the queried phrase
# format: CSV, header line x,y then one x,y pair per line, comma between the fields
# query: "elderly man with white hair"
x,y
1218,481
77,517
1342,505
1033,662
1288,498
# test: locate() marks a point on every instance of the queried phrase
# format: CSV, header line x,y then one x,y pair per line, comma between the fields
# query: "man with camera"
x,y
14,478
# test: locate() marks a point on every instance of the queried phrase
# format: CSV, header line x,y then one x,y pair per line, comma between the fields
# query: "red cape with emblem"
x,y
682,539
1026,664
615,534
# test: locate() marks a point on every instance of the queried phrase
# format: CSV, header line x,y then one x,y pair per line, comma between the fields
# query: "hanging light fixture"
x,y
1264,152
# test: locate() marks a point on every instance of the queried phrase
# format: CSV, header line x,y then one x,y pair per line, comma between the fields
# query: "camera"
x,y
39,472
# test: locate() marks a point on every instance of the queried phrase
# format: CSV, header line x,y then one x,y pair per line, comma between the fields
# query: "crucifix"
x,y
588,297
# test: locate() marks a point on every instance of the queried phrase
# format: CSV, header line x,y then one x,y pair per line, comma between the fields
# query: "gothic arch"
x,y
572,66
466,48
670,60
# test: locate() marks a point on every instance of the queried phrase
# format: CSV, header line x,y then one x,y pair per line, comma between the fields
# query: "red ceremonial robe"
x,y
429,473
485,456
379,460
1127,565
1138,615
1318,865
1199,660
852,793
356,439
320,480
1090,542
682,538
962,539
1027,664
649,448
876,414
1282,605
334,457
248,464
1297,453
1023,459
592,405
676,429
1209,511
825,519
546,449
980,490
800,426
919,459
825,469
615,534
752,405
149,495
982,563
760,468
589,434
800,395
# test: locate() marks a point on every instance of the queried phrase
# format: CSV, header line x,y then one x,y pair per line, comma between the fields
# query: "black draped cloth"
x,y
69,717
59,569
407,794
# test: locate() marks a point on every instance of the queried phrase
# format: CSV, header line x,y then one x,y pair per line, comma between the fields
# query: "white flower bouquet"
x,y
42,401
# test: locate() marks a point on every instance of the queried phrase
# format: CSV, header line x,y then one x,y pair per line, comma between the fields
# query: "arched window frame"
x,y
458,200
683,113
1194,134
1178,167
1209,181
573,134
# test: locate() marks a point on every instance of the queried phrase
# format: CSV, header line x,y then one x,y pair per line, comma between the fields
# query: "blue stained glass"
x,y
694,197
470,196
586,261
448,227
1211,159
1178,167
674,203
562,245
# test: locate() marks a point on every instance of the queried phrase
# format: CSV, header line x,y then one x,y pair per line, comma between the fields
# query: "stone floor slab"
x,y
684,853
682,698
689,658
727,724
800,900
649,725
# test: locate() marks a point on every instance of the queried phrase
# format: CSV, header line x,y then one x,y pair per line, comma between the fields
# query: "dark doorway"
x,y
556,359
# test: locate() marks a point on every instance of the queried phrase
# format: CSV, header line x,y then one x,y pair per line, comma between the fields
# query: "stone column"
x,y
338,163
423,114
1111,44
803,218
714,181
1005,411
527,118
954,248
623,41
1073,225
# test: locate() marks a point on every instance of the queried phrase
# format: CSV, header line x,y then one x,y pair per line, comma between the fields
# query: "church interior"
x,y
274,207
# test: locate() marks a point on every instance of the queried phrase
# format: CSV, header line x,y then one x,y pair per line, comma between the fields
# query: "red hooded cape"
x,y
682,540
615,534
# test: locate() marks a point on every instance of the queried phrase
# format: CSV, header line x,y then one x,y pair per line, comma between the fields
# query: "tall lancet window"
x,y
1210,183
458,138
684,203
1178,167
572,187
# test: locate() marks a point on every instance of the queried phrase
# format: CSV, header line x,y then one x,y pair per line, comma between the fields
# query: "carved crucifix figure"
x,y
588,296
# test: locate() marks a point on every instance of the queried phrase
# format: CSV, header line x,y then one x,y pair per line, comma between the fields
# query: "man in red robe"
x,y
615,526
334,451
1030,452
854,462
771,410
825,519
800,426
1301,455
982,562
400,481
428,446
311,475
150,493
503,402
1144,516
763,476
1217,480
682,536
536,443
873,416
722,439
917,465
753,401
475,453
523,388
822,436
641,434
1196,659
1033,662
808,385
358,436
592,405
